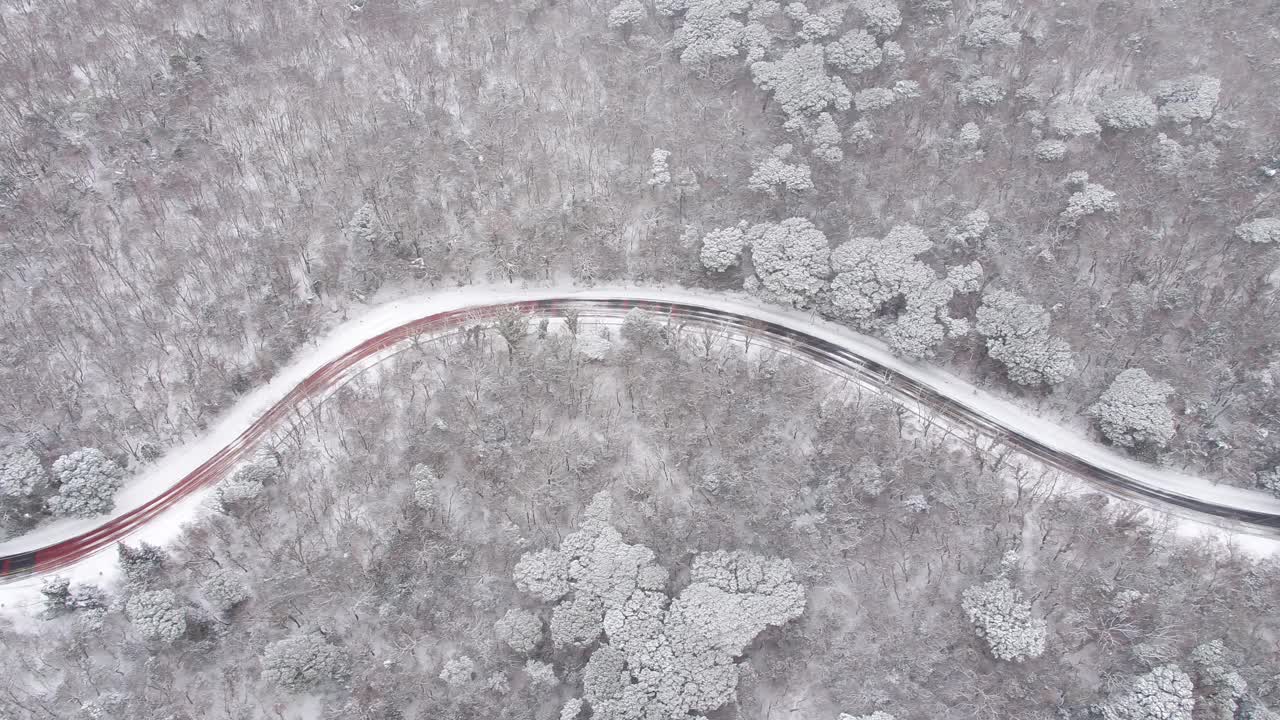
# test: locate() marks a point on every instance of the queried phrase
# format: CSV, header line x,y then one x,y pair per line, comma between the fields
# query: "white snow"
x,y
178,462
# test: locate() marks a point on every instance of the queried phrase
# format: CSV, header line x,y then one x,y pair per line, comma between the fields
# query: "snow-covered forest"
x,y
1072,205
1066,191
539,530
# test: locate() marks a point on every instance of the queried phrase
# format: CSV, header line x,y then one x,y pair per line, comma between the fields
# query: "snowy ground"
x,y
178,462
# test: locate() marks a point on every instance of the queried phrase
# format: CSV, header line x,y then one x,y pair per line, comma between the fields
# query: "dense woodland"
x,y
392,554
1072,203
189,192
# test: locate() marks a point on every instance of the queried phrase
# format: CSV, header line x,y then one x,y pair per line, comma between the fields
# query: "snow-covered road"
x,y
160,476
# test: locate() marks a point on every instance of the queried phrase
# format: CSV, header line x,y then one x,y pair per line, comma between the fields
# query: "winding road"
x,y
924,391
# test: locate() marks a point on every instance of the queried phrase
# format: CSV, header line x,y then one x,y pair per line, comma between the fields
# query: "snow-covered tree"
x,y
1089,200
237,489
970,135
540,674
800,83
855,52
369,243
814,26
1127,111
773,173
1222,685
984,91
641,328
87,483
1171,156
709,30
61,598
577,621
1076,179
1165,693
21,474
1003,618
1261,231
90,622
906,89
990,27
722,248
893,53
971,228
1073,121
543,574
663,657
667,8
1133,410
790,259
916,503
513,326
872,99
1049,150
498,682
825,137
1194,97
821,133
157,615
141,563
249,480
872,273
572,709
680,659
626,12
365,226
460,670
882,16
425,484
659,171
56,591
877,715
1017,335
733,597
756,41
763,10
601,570
965,278
89,598
225,589
520,629
861,134
304,661
605,675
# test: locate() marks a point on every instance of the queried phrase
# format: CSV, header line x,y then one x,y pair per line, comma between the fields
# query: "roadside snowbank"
x,y
178,462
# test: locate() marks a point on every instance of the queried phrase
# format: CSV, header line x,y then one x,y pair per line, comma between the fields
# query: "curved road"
x,y
1113,475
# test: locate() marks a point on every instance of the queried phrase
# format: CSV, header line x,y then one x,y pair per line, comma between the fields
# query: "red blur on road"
x,y
823,352
67,552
